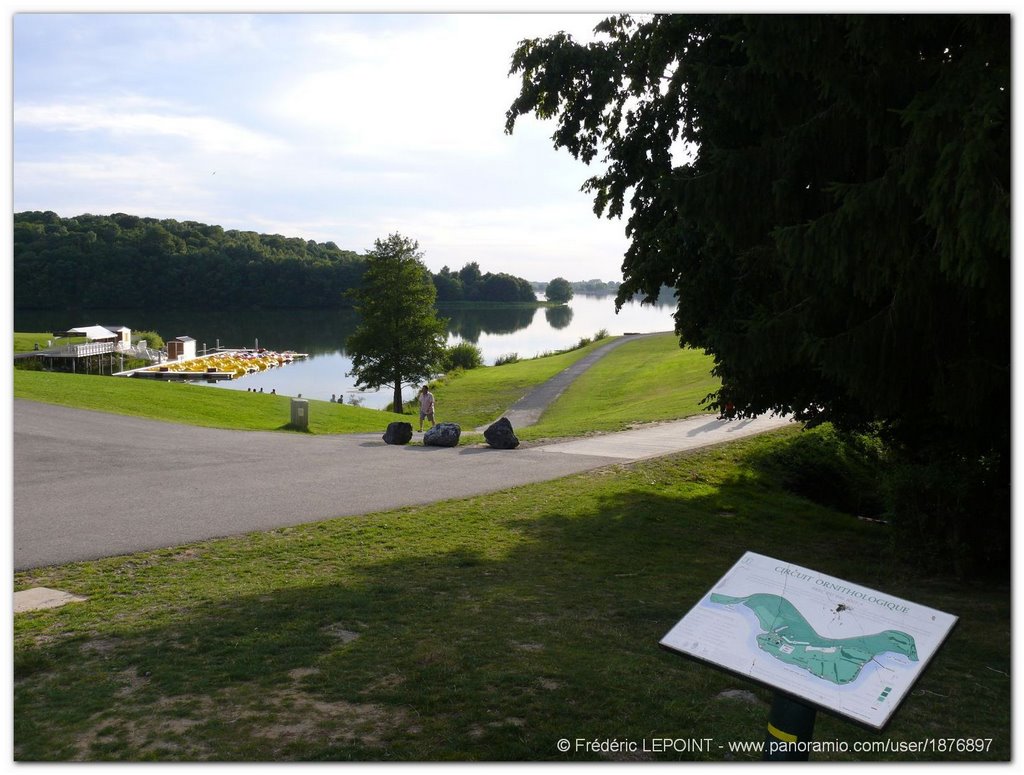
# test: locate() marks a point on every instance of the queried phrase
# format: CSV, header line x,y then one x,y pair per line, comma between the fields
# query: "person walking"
x,y
426,406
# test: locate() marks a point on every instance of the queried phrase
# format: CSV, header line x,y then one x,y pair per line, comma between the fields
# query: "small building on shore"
x,y
118,336
123,336
97,354
181,347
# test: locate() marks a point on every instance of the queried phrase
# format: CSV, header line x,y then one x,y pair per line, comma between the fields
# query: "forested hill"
x,y
125,261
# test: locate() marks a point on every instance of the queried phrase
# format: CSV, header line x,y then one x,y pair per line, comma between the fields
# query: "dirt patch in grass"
x,y
386,682
174,728
132,682
341,632
293,715
152,734
102,646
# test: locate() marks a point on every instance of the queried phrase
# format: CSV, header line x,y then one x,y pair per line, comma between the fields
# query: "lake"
x,y
321,334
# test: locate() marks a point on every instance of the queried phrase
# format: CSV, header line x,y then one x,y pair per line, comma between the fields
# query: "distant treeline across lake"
x,y
124,261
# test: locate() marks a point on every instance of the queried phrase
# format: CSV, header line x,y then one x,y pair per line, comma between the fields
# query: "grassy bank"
x,y
471,399
26,341
479,396
191,404
482,629
649,380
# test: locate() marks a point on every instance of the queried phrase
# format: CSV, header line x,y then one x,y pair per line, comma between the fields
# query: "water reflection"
x,y
310,331
316,332
558,317
469,323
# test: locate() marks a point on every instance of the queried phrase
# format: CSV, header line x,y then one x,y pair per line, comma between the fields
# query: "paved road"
x,y
91,484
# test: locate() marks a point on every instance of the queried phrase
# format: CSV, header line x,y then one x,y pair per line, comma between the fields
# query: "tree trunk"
x,y
397,407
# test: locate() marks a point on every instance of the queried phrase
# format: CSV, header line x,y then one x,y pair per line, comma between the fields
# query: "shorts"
x,y
427,415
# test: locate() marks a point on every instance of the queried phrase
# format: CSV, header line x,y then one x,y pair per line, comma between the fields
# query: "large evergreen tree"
x,y
400,339
829,197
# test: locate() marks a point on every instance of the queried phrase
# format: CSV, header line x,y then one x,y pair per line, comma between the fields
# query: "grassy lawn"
x,y
647,380
481,629
26,342
643,381
192,404
471,399
479,396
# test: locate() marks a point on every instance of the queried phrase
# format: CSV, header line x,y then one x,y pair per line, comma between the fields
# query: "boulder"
x,y
444,434
739,694
398,433
500,436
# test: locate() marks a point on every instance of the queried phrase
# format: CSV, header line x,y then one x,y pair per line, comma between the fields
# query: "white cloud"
x,y
441,86
108,183
137,119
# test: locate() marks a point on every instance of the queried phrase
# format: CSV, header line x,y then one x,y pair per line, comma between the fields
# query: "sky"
x,y
342,127
333,127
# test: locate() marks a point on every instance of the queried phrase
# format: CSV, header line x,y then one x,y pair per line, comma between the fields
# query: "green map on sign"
x,y
790,638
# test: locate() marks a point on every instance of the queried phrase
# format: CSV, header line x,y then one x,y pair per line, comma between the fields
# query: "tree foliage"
x,y
462,355
124,261
399,340
469,284
828,196
152,339
559,290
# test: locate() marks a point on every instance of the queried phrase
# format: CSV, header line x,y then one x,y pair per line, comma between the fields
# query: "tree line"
x,y
129,261
469,284
593,287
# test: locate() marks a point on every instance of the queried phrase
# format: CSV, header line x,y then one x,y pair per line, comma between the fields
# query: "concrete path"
x,y
528,409
90,484
665,438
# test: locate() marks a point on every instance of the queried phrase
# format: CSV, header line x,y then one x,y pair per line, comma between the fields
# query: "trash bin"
x,y
300,413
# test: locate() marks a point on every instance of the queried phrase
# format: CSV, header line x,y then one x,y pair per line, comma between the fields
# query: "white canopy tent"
x,y
93,332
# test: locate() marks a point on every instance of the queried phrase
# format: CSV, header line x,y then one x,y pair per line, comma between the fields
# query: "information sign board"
x,y
830,643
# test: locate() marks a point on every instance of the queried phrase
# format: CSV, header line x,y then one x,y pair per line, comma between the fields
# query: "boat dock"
x,y
221,364
165,375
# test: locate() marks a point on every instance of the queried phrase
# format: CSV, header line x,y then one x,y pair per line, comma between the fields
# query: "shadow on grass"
x,y
495,640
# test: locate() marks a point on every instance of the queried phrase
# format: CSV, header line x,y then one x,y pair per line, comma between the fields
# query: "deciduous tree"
x,y
829,197
558,290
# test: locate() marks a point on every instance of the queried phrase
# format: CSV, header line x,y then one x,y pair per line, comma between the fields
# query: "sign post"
x,y
819,642
789,724
300,413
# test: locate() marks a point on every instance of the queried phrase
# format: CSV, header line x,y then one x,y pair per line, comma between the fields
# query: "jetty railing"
x,y
87,349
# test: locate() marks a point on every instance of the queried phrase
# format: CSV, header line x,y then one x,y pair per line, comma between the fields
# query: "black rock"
x,y
444,434
398,433
500,436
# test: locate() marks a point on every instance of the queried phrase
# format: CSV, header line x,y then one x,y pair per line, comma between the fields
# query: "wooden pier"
x,y
183,376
